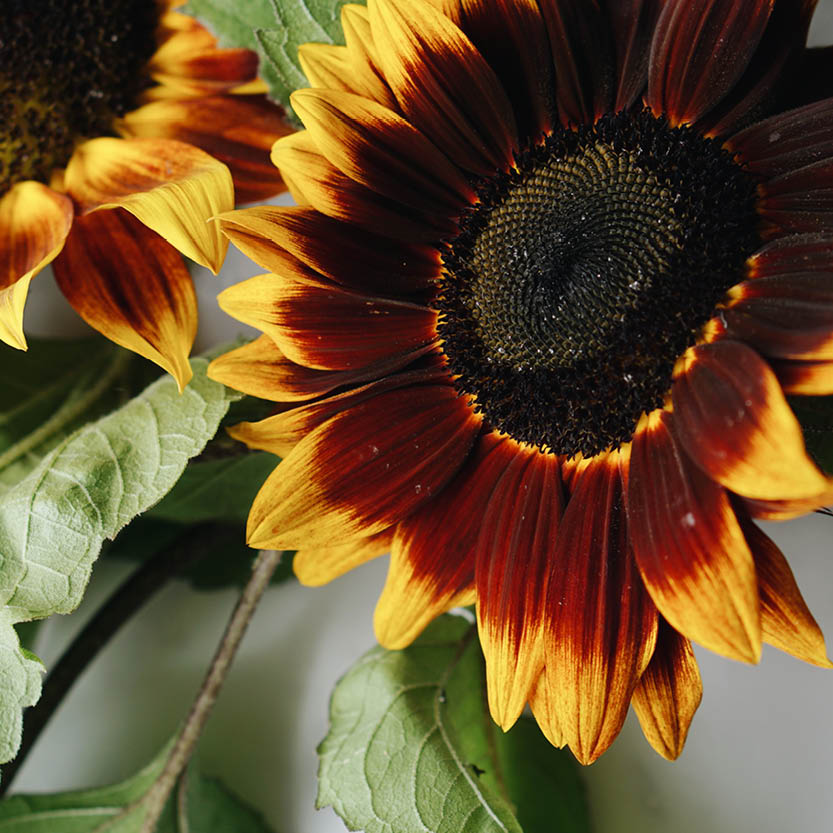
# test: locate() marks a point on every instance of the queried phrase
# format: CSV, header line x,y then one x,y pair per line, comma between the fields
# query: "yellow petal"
x,y
315,567
171,187
34,222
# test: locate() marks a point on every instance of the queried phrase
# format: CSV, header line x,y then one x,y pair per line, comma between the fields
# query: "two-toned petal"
x,y
34,222
171,187
129,284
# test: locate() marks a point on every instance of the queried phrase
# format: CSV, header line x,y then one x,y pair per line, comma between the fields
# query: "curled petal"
x,y
129,284
314,567
328,329
237,130
443,84
34,222
515,550
364,469
734,422
785,618
602,624
668,693
171,187
689,546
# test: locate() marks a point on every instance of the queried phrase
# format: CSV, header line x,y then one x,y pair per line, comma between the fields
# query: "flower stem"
x,y
155,798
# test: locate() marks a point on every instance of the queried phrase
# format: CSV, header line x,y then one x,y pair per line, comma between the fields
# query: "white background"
x,y
759,758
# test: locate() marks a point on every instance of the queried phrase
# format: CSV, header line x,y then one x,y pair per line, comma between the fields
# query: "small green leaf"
x,y
815,413
216,490
274,30
412,748
198,805
54,521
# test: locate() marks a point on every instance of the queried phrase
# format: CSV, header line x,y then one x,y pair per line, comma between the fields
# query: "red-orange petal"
x,y
583,59
379,149
601,626
171,187
280,433
689,546
733,420
698,55
365,469
129,284
443,84
328,329
785,618
433,553
34,222
800,378
239,130
350,256
515,554
668,693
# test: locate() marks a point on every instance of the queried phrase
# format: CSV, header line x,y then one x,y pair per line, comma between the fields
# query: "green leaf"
x,y
198,805
275,30
412,748
216,490
54,521
47,392
815,413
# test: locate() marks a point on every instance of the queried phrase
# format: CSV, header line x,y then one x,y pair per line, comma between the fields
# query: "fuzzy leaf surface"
x,y
412,748
92,483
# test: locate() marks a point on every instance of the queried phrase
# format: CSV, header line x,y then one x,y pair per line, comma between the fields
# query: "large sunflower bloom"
x,y
549,281
109,110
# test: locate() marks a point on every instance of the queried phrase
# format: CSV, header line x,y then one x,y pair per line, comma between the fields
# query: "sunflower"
x,y
554,267
109,110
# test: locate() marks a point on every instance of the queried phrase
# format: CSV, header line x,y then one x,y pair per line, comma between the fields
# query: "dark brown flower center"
x,y
579,278
67,70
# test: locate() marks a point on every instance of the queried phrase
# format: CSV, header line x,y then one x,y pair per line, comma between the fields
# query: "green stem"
x,y
70,410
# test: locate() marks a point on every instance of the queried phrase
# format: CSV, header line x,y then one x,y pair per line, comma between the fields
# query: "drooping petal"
x,y
733,420
515,554
237,130
364,469
583,58
378,148
129,284
632,25
260,369
785,618
433,553
280,433
314,567
799,201
34,222
544,710
347,255
787,141
189,62
668,693
328,329
312,179
699,54
602,624
443,84
171,187
689,546
511,36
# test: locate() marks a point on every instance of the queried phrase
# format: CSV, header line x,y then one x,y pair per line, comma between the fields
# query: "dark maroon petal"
x,y
801,200
515,553
583,58
602,624
690,549
699,53
793,253
787,141
511,37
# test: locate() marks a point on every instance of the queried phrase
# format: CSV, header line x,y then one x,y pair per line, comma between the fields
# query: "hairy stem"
x,y
154,800
129,597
